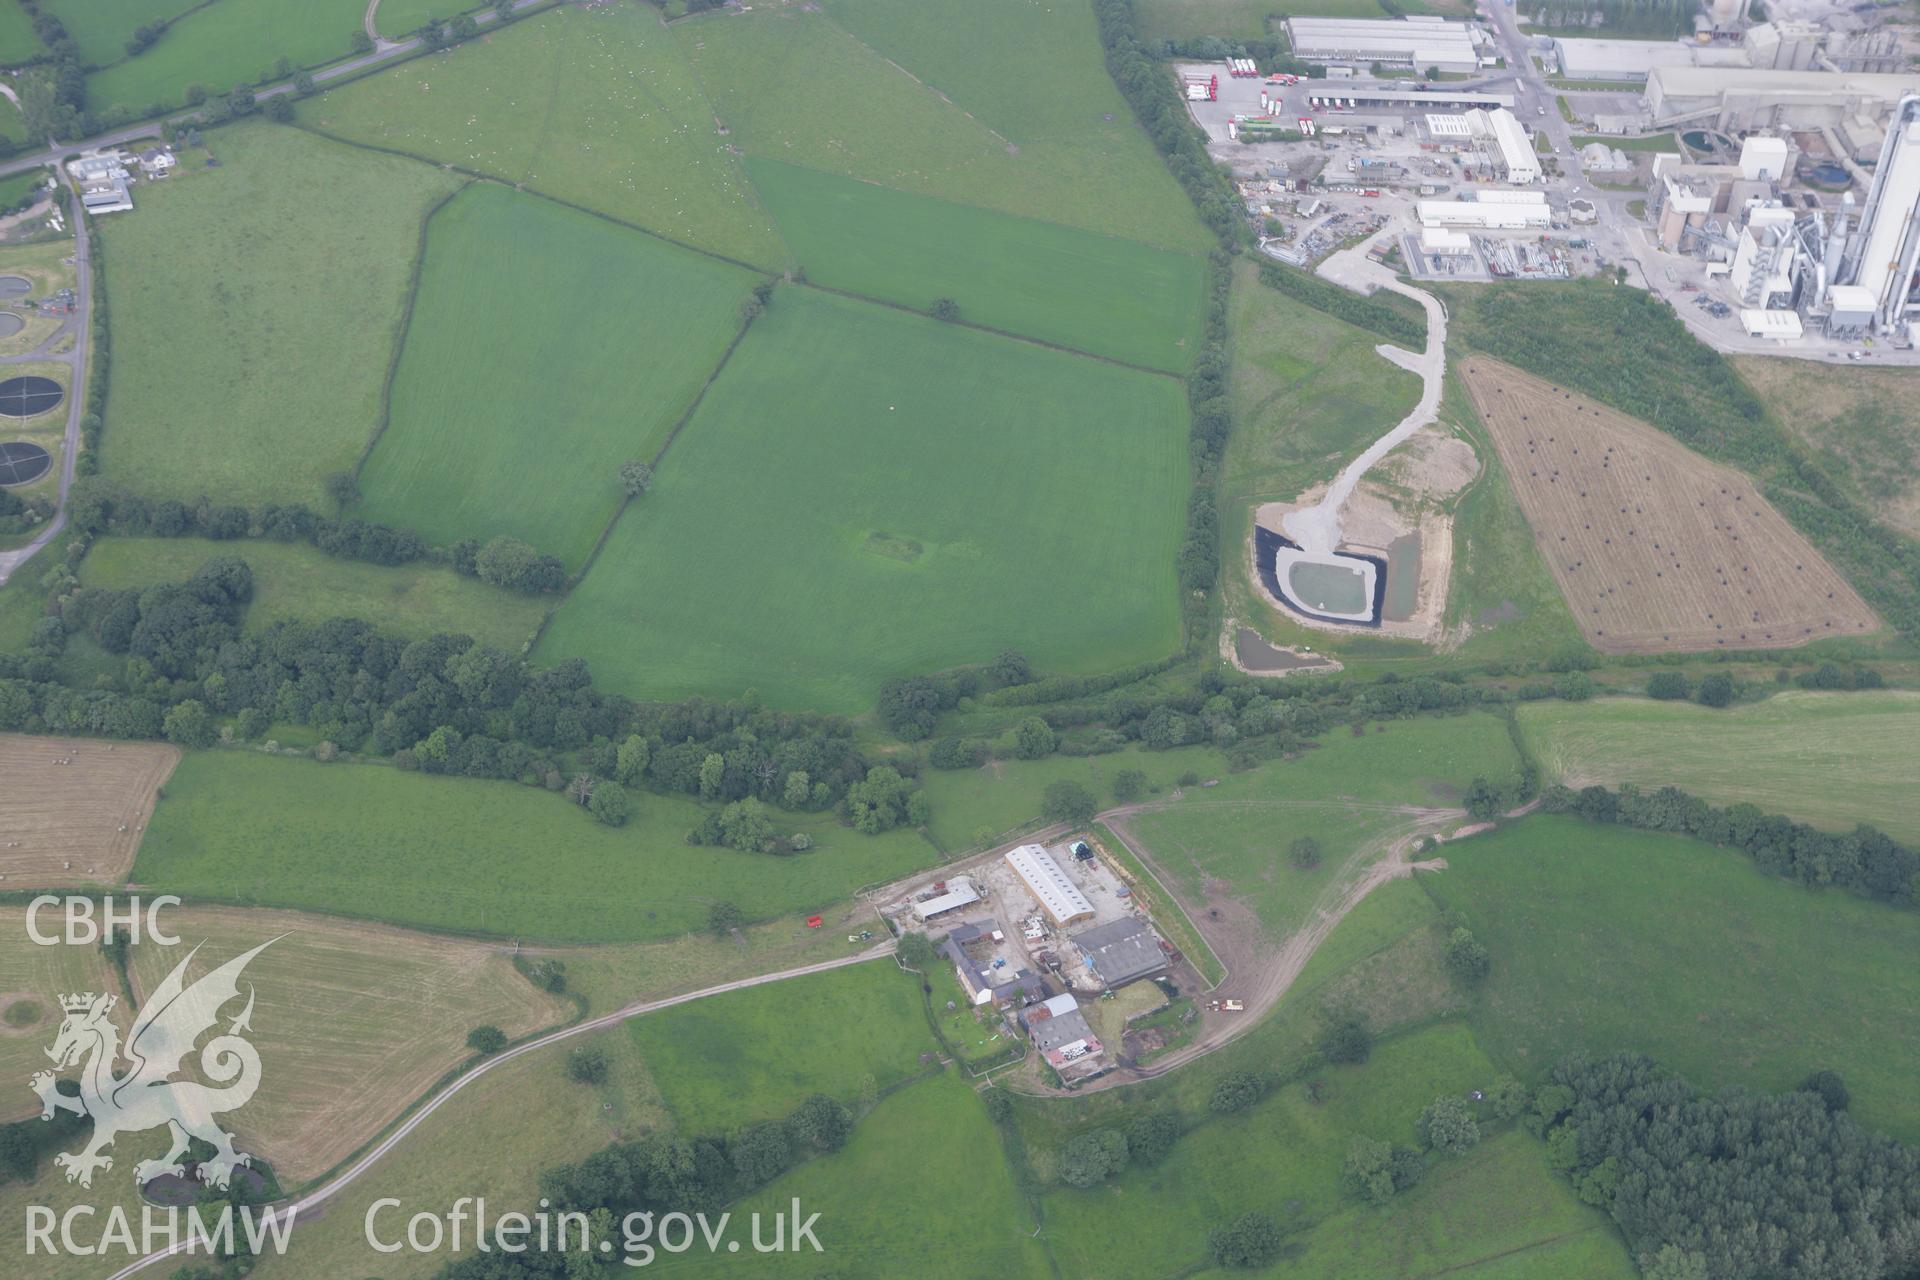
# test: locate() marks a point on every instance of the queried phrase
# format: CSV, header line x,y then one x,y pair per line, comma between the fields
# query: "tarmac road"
x,y
383,52
413,1121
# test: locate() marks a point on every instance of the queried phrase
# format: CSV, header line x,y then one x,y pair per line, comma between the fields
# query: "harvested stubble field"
x,y
78,822
32,980
1656,549
353,1022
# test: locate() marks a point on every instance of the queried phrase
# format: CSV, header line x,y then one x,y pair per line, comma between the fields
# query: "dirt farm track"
x,y
1655,548
72,809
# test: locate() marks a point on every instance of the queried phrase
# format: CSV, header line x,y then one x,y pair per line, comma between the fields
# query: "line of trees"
x,y
1211,424
1864,860
1733,1185
658,1174
1650,18
443,704
98,505
1158,106
1404,327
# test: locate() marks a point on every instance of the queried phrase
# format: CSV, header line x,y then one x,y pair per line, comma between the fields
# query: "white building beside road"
x,y
1493,211
1501,132
1418,43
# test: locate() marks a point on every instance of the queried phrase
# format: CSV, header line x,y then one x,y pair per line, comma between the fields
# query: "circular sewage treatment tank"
x,y
10,324
27,396
22,462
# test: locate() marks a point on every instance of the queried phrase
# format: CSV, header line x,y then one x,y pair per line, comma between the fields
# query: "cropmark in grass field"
x,y
547,347
865,494
1036,75
758,1053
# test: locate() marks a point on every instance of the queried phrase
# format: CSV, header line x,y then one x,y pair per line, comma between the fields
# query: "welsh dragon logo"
x,y
147,1095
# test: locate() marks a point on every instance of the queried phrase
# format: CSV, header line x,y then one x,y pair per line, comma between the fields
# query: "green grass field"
x,y
1350,794
248,365
1309,392
1831,759
759,1053
1499,1212
793,84
1606,938
1116,298
492,857
970,803
100,28
1857,421
594,105
224,44
15,187
864,494
396,19
546,348
921,1188
17,40
1281,1157
293,580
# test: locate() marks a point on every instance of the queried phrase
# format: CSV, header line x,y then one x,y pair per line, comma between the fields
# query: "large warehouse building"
x,y
1057,895
1493,211
1418,43
1629,60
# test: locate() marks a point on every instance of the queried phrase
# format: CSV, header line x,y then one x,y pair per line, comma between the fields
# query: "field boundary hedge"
x,y
480,176
1865,861
404,329
673,433
1360,311
961,322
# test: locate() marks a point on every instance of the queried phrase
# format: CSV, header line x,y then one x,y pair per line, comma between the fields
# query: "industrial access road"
x,y
1317,528
374,1154
81,326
